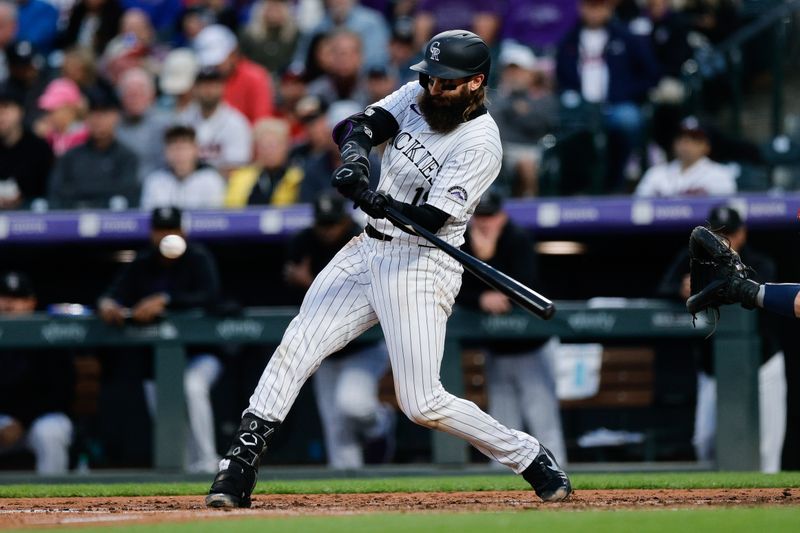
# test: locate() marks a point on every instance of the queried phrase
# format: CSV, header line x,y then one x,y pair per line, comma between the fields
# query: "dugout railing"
x,y
735,341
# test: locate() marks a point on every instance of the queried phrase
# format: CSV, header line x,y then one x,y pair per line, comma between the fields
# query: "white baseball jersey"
x,y
404,284
224,138
448,171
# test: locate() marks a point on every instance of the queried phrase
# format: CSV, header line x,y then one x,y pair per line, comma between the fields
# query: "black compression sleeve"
x,y
427,216
369,128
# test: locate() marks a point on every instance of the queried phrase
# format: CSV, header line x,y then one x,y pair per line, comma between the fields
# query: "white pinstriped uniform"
x,y
406,286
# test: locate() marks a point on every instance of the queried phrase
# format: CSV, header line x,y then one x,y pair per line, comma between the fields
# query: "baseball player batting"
x,y
443,154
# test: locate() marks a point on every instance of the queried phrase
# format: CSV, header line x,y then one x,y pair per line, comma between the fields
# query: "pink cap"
x,y
60,92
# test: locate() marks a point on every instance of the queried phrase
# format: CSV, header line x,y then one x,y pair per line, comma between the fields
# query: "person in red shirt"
x,y
248,87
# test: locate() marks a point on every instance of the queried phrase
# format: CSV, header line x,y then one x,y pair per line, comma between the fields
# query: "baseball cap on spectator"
x,y
22,53
214,44
377,71
691,127
169,217
16,285
518,55
724,219
328,208
491,203
178,72
102,99
310,108
9,94
59,93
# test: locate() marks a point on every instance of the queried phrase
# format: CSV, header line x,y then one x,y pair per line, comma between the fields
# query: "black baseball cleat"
x,y
238,470
548,480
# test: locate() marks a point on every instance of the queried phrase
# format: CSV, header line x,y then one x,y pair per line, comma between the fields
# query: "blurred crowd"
x,y
226,103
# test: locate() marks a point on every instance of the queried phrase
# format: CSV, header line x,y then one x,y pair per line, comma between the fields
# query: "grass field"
x,y
561,519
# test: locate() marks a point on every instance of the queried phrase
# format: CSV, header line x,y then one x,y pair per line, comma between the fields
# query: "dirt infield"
x,y
21,512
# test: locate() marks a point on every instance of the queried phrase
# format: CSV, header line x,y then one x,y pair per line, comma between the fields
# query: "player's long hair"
x,y
477,100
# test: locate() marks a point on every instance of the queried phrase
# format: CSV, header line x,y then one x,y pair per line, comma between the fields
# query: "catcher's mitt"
x,y
718,276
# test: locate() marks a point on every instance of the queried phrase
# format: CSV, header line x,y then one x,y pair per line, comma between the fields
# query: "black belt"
x,y
375,234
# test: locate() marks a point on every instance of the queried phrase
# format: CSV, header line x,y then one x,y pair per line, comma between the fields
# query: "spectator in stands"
x,y
271,179
193,20
380,84
366,23
162,14
134,46
8,30
538,24
154,284
435,16
601,63
402,54
716,19
25,159
36,390
676,284
25,72
520,378
178,75
692,173
223,133
62,126
80,66
142,125
357,428
37,23
291,89
311,111
343,78
91,25
270,38
186,182
248,87
526,111
101,172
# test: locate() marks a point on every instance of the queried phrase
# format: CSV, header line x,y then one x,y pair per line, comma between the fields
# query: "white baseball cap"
x,y
519,55
178,71
213,45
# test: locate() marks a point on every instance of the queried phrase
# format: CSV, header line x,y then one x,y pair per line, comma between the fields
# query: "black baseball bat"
x,y
526,297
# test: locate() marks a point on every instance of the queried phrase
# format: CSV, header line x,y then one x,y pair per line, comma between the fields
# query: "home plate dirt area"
x,y
21,512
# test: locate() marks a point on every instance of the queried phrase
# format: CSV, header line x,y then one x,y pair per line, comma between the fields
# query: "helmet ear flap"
x,y
423,80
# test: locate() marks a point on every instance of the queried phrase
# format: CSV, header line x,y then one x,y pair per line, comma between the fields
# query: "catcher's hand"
x,y
718,275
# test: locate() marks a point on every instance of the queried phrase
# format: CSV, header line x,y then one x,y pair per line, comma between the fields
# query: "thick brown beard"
x,y
444,115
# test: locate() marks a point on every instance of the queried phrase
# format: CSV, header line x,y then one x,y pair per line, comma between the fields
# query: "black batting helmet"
x,y
454,54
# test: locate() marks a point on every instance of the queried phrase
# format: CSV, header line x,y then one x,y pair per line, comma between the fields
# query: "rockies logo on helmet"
x,y
435,51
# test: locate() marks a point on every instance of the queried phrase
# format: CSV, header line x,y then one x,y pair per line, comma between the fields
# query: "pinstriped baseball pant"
x,y
410,290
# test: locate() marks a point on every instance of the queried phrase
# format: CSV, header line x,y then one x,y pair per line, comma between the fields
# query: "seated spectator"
x,y
343,78
402,54
134,46
162,15
436,16
248,87
271,179
270,38
25,159
601,63
142,125
185,182
692,173
91,25
311,112
36,390
102,172
223,133
37,23
62,126
291,89
380,84
158,281
8,30
538,24
80,66
358,429
25,72
178,74
366,23
526,111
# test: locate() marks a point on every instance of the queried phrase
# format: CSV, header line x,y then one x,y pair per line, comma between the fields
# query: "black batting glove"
x,y
352,177
374,203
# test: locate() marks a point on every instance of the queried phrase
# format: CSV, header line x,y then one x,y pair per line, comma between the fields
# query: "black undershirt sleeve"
x,y
427,216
